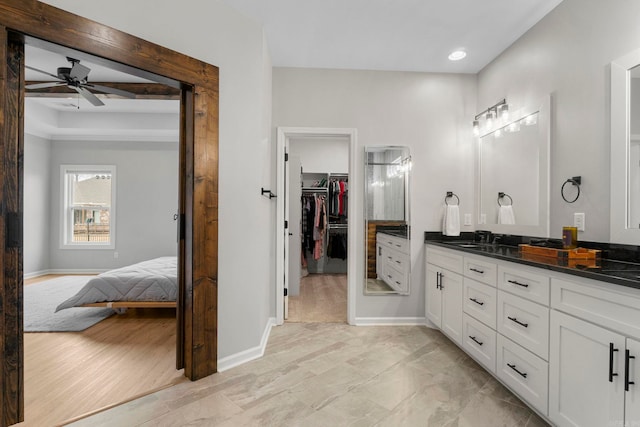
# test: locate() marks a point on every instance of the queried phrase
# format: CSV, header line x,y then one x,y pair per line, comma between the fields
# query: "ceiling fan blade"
x,y
88,96
43,72
79,72
107,89
44,85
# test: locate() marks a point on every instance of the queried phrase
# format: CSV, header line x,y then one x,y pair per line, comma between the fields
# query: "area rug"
x,y
41,300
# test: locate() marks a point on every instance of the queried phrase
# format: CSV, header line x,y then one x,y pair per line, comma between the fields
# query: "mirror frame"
x,y
544,168
619,232
407,220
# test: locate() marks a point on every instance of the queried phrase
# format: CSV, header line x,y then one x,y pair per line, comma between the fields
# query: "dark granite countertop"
x,y
393,230
619,264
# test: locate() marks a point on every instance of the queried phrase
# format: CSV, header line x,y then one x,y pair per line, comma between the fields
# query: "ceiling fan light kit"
x,y
76,78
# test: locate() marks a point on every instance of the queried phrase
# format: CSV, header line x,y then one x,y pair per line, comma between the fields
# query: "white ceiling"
x,y
398,35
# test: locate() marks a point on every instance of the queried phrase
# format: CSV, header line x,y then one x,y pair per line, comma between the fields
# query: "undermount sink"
x,y
468,245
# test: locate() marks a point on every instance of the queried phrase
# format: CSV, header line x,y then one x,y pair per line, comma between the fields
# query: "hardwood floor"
x,y
71,374
330,374
323,298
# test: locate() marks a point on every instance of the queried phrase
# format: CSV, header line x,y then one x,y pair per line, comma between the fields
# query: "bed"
x,y
152,283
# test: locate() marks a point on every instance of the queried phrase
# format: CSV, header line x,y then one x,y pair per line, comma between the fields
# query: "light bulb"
x,y
489,119
504,111
476,128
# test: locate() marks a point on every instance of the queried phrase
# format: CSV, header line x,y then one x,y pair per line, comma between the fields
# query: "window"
x,y
88,218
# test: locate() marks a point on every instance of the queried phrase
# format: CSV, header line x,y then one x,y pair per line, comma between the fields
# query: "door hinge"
x,y
286,292
286,224
286,157
14,230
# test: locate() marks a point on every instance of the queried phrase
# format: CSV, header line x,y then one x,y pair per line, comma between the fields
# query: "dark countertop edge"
x,y
602,277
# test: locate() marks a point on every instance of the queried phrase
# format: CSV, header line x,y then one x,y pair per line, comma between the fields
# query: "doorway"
x,y
305,262
197,295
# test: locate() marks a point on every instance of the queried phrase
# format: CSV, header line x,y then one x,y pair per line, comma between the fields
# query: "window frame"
x,y
66,215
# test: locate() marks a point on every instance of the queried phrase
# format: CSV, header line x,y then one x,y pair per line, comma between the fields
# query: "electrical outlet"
x,y
467,219
578,221
483,218
115,254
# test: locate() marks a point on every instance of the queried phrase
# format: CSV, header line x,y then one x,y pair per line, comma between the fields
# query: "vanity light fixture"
x,y
498,111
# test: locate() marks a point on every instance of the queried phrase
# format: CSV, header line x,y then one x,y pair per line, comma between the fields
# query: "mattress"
x,y
152,280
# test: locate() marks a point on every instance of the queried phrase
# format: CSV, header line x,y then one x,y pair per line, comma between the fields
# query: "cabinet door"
x,y
632,402
433,295
451,287
580,391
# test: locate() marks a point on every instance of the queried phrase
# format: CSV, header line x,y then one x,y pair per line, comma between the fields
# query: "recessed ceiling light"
x,y
457,55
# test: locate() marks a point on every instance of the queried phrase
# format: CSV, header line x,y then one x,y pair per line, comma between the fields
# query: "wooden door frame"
x,y
22,20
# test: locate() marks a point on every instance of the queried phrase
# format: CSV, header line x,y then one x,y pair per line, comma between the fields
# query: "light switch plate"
x,y
578,221
467,219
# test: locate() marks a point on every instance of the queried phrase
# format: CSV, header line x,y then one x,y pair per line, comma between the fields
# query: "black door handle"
x,y
476,270
627,358
476,301
513,319
477,342
523,374
611,373
515,282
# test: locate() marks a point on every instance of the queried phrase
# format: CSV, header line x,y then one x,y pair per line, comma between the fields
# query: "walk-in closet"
x,y
319,214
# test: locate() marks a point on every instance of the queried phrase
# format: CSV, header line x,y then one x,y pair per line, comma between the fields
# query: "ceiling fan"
x,y
75,77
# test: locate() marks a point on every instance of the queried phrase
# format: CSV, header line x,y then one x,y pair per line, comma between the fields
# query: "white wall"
x,y
426,112
567,54
322,155
213,32
146,200
37,152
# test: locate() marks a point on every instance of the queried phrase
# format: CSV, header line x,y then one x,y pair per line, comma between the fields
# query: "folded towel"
x,y
451,221
506,215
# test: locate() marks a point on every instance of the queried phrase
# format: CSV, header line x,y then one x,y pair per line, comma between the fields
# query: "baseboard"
x,y
245,356
35,274
87,271
390,321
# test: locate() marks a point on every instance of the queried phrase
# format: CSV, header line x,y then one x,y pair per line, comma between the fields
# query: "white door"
x,y
632,398
451,287
433,295
295,232
586,374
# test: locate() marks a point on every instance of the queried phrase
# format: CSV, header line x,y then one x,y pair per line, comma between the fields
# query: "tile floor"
x,y
315,374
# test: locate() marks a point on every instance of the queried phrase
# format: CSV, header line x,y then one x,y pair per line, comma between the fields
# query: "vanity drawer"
x,y
524,322
480,270
605,304
397,259
393,242
446,259
396,279
479,301
479,341
524,372
525,283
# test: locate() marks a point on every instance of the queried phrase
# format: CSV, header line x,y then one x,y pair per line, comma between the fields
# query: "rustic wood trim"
x,y
39,21
12,149
141,90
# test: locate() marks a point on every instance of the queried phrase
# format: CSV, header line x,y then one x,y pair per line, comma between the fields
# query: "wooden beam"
x,y
141,90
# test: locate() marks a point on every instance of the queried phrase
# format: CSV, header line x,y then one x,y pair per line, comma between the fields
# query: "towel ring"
x,y
502,195
449,195
576,180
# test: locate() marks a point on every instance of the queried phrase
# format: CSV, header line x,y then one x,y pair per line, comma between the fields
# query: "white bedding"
x,y
152,280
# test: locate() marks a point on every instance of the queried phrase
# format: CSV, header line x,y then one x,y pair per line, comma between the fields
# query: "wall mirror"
x,y
513,174
387,224
625,149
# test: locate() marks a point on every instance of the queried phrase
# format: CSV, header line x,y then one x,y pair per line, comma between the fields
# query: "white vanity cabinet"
x,y
444,291
594,377
392,261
